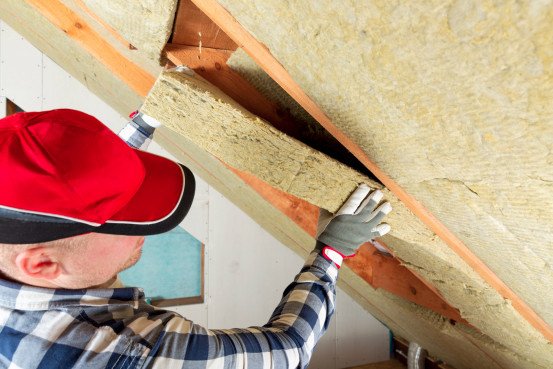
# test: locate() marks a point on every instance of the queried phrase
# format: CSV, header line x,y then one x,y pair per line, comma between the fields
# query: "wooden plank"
x,y
56,79
194,28
262,55
301,212
12,108
386,272
206,58
76,28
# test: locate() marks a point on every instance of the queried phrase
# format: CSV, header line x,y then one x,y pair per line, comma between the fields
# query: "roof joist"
x,y
77,28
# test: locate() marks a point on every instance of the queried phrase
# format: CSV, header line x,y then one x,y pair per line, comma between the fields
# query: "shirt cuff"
x,y
317,261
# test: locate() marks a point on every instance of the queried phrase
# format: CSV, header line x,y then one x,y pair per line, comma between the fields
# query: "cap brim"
x,y
25,228
159,205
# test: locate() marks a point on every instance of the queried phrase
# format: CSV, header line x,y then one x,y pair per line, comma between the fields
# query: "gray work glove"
x,y
356,222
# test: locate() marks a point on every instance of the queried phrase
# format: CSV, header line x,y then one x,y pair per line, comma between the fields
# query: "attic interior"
x,y
299,102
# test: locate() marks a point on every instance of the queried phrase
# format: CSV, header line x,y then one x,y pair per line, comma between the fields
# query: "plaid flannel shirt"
x,y
44,328
137,133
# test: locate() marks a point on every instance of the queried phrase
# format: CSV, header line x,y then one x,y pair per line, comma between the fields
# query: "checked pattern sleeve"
x,y
285,342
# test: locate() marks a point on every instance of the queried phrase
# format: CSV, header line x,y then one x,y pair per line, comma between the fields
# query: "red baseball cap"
x,y
64,173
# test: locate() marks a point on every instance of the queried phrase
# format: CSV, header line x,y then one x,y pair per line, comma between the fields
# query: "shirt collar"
x,y
17,296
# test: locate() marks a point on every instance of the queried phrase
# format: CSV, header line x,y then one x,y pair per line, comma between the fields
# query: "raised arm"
x,y
302,316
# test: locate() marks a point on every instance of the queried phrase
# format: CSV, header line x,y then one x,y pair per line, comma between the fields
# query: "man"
x,y
75,203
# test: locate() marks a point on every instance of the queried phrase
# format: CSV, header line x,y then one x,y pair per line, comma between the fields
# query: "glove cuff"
x,y
333,255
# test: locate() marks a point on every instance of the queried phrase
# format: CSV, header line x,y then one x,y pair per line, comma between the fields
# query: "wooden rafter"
x,y
263,57
76,27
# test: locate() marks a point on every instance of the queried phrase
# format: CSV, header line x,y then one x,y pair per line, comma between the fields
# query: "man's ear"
x,y
38,263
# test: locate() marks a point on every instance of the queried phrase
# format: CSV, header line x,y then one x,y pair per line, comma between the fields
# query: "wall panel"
x,y
21,72
61,90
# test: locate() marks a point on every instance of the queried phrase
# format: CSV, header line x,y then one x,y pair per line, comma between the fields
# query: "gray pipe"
x,y
416,356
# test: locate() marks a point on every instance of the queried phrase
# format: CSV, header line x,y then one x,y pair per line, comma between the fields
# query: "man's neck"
x,y
112,283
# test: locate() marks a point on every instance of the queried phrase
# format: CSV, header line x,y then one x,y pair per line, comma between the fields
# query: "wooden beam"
x,y
262,55
194,28
76,27
12,108
387,272
390,364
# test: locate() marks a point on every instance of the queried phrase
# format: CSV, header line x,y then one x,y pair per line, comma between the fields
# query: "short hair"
x,y
8,252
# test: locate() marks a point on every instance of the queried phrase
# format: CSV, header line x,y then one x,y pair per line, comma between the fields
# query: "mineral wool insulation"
x,y
146,24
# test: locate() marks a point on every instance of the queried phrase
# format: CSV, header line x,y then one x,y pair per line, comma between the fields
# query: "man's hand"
x,y
358,221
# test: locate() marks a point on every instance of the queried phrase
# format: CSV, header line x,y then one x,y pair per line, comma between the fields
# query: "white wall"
x,y
246,268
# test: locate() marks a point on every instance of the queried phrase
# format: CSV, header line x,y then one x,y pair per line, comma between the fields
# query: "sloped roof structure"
x,y
443,105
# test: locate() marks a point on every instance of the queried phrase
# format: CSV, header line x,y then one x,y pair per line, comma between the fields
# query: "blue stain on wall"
x,y
170,266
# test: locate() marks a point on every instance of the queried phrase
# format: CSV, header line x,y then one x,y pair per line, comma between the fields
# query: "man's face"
x,y
103,257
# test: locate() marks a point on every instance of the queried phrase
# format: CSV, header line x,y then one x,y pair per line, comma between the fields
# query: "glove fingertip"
x,y
377,195
355,199
385,208
382,229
